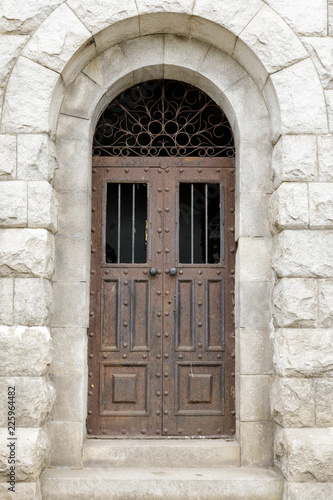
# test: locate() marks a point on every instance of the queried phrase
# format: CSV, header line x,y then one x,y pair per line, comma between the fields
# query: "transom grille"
x,y
163,118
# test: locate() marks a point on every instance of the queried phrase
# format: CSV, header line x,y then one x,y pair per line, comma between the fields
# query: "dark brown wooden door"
x,y
161,336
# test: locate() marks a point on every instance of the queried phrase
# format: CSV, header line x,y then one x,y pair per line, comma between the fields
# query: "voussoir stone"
x,y
34,399
295,303
25,351
26,252
33,445
301,99
30,88
304,254
326,303
303,352
292,401
10,47
305,455
13,204
32,301
301,16
7,156
321,51
321,204
36,157
60,36
23,17
291,205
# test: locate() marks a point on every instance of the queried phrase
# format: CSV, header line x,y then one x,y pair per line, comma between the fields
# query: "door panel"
x,y
161,345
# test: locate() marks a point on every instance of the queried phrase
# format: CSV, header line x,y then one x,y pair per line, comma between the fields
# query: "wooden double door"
x,y
161,336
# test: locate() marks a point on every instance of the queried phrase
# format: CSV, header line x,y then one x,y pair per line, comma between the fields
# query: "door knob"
x,y
173,271
153,271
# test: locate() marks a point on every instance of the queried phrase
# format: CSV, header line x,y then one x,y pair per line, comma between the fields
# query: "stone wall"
x,y
283,51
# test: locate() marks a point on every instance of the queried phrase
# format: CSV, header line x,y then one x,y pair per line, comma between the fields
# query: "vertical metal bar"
x,y
206,223
192,223
133,221
119,218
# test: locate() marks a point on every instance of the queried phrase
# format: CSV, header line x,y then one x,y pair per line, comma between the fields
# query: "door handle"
x,y
153,271
173,271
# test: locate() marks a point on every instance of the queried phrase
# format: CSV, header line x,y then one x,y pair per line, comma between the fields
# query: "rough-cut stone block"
x,y
330,17
292,402
30,88
325,148
295,303
71,301
31,450
25,351
10,47
74,217
301,99
231,14
256,442
70,345
72,259
301,16
42,205
254,398
60,36
32,301
321,204
304,254
7,156
34,399
306,491
290,206
24,17
99,14
255,351
321,51
253,259
294,159
270,38
23,491
26,252
70,404
323,403
326,304
36,157
66,442
303,353
305,455
13,204
6,302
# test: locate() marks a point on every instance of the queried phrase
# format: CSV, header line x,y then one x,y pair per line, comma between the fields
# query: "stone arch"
x,y
118,68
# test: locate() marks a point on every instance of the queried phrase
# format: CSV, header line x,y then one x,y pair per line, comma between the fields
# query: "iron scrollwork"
x,y
163,118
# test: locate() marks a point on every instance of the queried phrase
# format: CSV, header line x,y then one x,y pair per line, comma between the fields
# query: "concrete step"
x,y
203,453
161,484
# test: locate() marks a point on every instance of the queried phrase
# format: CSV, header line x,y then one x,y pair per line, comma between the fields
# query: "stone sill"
x,y
166,453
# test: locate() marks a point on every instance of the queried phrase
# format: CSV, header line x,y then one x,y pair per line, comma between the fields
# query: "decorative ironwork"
x,y
163,118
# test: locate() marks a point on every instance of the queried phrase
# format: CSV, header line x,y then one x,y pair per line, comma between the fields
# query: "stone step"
x,y
161,484
204,453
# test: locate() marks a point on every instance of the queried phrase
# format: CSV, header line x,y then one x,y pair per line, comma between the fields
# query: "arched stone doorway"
x,y
161,338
